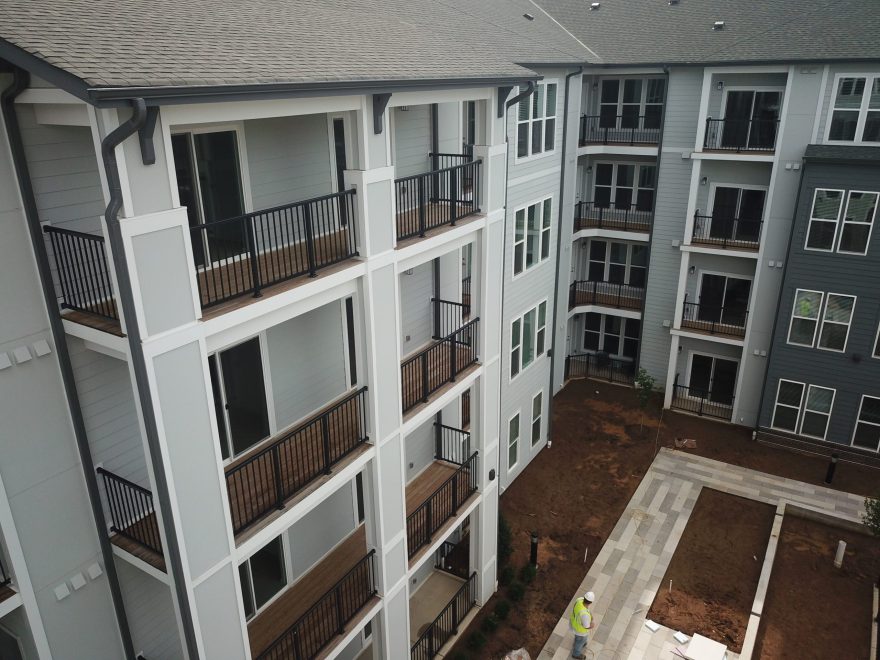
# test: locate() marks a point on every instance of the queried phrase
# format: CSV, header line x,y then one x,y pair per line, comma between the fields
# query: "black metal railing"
x,y
83,272
590,215
327,618
440,197
440,506
132,514
466,408
261,483
445,626
607,294
449,316
702,402
429,370
714,319
451,444
727,232
620,129
454,558
246,253
601,365
741,134
466,295
5,578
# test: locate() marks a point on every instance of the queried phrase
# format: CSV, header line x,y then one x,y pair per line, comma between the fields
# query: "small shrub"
x,y
476,641
516,591
527,573
489,624
872,514
502,609
505,577
505,540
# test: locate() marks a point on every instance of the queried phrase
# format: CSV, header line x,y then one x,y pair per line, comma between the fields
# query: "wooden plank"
x,y
6,593
429,480
138,550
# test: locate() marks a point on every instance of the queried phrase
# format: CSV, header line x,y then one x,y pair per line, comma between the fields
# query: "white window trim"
x,y
536,355
637,165
800,406
836,222
875,349
852,440
525,209
288,566
627,265
750,88
848,324
842,222
555,116
805,399
510,465
863,109
726,276
714,356
602,333
817,320
539,419
713,186
643,98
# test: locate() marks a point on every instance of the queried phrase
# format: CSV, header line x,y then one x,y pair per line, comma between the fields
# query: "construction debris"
x,y
519,654
685,443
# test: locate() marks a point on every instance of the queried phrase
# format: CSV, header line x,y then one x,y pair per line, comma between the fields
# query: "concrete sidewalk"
x,y
627,572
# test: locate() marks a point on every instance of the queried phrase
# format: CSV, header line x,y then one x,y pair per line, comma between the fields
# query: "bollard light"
x,y
832,466
533,554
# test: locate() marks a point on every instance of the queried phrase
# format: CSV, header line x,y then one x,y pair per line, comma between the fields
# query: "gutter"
x,y
530,88
59,336
568,78
138,362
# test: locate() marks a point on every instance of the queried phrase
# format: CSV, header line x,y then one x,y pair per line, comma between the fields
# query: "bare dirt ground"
x,y
573,493
715,569
814,610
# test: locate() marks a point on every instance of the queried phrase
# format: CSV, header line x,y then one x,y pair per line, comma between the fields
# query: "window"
x,y
262,575
835,322
528,337
867,431
788,405
602,333
805,317
817,411
855,114
536,122
823,219
621,263
531,241
624,186
857,222
877,344
622,102
537,410
513,442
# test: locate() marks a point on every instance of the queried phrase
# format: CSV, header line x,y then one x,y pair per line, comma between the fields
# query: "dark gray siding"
x,y
854,372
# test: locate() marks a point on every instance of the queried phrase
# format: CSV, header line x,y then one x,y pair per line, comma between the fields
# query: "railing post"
x,y
279,484
340,619
425,388
601,215
421,201
254,258
310,239
455,492
453,364
429,522
325,434
605,137
632,135
438,441
453,194
437,311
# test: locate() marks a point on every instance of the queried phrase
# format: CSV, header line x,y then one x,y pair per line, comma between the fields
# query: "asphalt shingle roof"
x,y
842,153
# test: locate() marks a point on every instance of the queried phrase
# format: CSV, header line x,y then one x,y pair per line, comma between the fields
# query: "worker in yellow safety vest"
x,y
581,621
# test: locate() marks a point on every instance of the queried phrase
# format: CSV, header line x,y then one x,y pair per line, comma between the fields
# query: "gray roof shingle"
x,y
842,153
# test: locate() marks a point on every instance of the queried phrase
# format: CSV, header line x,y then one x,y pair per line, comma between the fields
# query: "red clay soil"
x,y
573,493
814,610
715,569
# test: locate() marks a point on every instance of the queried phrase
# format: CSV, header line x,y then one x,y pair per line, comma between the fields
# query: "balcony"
x,y
266,479
741,135
448,193
630,130
452,352
702,402
714,319
435,496
312,615
602,366
727,232
459,597
133,519
606,294
246,254
590,215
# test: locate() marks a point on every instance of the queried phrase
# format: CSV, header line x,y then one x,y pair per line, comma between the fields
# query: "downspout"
x,y
138,361
568,78
21,81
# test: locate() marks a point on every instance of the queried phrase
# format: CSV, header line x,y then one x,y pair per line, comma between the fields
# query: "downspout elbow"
x,y
530,88
108,152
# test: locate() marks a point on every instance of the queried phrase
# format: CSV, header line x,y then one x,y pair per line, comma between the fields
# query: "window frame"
x,y
517,338
776,404
875,352
848,323
539,419
812,219
805,398
286,563
541,232
531,120
817,320
514,444
862,110
635,188
643,95
859,421
628,265
842,222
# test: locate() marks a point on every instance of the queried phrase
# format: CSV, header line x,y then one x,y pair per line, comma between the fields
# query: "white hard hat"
x,y
589,597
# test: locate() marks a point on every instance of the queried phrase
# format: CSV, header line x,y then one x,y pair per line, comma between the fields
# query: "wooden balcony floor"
x,y
607,300
95,321
136,549
616,225
726,244
260,494
704,328
426,604
272,622
6,593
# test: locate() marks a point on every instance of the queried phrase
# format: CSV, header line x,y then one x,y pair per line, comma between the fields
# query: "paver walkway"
x,y
628,570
